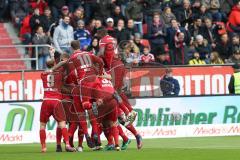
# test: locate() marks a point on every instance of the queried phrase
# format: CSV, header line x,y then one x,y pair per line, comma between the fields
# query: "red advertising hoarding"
x,y
143,82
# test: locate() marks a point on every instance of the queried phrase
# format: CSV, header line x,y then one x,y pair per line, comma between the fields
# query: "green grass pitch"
x,y
210,148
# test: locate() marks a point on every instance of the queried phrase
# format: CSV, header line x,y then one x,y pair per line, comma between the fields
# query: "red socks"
x,y
122,134
42,134
65,136
132,129
115,134
80,137
108,136
126,102
58,136
72,129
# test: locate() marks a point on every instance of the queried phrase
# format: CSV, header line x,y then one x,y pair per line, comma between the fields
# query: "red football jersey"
x,y
52,83
110,49
70,74
85,64
147,58
106,86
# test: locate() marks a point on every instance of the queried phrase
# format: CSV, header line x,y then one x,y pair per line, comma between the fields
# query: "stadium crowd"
x,y
168,32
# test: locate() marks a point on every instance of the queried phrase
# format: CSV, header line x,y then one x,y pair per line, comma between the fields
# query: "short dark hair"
x,y
50,63
75,44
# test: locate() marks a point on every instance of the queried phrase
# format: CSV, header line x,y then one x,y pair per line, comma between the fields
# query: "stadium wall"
x,y
142,82
173,117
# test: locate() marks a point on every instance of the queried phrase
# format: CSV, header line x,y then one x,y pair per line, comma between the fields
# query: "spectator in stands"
x,y
74,4
65,11
196,27
110,27
224,47
184,15
137,41
134,10
63,35
179,53
147,57
214,59
46,20
203,14
41,4
90,27
82,35
104,9
94,47
132,54
208,32
233,24
169,85
98,26
18,9
121,33
40,38
89,8
235,58
167,16
202,47
35,20
196,59
131,29
77,15
117,14
156,32
162,56
56,6
235,43
171,32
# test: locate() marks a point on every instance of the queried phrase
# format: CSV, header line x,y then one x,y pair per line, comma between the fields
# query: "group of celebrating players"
x,y
85,86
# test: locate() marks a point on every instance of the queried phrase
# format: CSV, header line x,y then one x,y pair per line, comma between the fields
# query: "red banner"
x,y
143,82
192,80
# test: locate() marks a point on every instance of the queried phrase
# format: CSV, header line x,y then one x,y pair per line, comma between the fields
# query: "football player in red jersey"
x,y
85,67
107,51
70,80
52,106
107,113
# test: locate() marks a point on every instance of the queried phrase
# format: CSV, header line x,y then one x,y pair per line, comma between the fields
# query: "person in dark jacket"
x,y
169,85
56,7
117,14
224,47
121,33
35,20
156,32
94,46
131,28
46,20
82,35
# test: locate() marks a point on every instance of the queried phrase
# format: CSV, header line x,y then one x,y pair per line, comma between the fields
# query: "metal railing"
x,y
36,49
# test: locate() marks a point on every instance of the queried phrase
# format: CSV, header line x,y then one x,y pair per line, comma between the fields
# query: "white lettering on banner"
x,y
197,79
145,87
9,88
13,90
218,84
38,90
207,85
29,89
189,85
